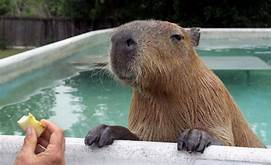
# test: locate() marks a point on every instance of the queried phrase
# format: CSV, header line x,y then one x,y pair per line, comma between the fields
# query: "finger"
x,y
51,127
30,141
57,138
63,144
57,134
43,142
46,134
39,149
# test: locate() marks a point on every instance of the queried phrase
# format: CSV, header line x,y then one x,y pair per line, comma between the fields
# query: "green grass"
x,y
9,52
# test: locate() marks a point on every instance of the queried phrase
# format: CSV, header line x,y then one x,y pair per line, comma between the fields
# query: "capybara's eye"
x,y
176,37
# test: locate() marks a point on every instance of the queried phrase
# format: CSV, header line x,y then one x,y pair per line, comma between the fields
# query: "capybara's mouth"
x,y
121,67
122,72
127,79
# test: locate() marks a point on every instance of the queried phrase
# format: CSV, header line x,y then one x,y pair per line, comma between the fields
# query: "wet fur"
x,y
174,91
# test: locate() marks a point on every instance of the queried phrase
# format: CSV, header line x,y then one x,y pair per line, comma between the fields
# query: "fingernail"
x,y
28,131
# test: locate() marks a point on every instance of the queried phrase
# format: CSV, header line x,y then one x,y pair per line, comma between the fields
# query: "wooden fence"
x,y
33,32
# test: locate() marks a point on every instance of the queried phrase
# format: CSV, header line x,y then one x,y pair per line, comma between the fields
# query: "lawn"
x,y
9,52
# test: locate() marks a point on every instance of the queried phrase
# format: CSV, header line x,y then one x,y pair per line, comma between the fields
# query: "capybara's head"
x,y
147,53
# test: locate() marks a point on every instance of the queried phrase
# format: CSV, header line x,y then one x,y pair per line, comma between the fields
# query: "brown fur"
x,y
174,90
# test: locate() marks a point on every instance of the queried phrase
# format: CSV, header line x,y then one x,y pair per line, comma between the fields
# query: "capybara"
x,y
175,98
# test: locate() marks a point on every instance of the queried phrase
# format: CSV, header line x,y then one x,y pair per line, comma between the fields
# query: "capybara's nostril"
x,y
124,42
124,47
130,42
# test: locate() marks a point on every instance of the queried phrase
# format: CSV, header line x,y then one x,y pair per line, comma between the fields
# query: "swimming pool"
x,y
78,97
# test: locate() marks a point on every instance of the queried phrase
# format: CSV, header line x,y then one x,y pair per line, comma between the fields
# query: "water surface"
x,y
78,99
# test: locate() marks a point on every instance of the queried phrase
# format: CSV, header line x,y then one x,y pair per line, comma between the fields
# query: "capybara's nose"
x,y
123,43
130,43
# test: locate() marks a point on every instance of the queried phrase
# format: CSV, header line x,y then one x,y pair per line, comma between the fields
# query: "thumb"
x,y
30,141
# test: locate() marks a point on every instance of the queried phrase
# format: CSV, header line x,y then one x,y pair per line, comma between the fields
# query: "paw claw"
x,y
89,140
93,136
104,135
195,140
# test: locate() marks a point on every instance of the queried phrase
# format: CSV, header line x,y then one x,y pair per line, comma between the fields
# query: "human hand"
x,y
48,149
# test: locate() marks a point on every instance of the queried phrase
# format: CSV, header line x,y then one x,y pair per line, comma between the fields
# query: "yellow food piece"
x,y
30,120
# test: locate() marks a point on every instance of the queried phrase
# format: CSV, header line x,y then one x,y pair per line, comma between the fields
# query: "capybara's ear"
x,y
194,34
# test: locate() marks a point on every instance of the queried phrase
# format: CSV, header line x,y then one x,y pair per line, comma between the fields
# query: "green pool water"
x,y
78,99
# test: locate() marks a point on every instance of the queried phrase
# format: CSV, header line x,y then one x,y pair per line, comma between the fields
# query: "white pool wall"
x,y
224,38
222,33
14,66
143,153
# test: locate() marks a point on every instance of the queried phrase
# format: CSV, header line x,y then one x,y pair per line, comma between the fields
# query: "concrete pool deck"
x,y
128,152
143,153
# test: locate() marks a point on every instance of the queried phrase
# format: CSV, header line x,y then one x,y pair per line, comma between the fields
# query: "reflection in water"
x,y
104,100
67,105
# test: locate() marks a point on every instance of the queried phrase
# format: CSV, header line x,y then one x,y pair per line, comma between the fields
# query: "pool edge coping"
x,y
14,66
146,152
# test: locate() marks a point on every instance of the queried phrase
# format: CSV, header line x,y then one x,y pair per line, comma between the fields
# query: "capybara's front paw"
x,y
196,140
104,135
100,136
